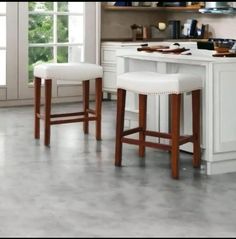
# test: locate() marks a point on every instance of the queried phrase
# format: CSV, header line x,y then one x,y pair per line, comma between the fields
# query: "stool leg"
x,y
37,97
142,122
175,133
120,116
86,105
98,85
196,128
48,96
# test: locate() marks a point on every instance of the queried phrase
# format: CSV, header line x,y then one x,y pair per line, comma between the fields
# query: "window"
x,y
2,43
55,33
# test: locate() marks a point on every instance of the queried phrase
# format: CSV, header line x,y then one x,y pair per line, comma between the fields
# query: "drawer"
x,y
108,55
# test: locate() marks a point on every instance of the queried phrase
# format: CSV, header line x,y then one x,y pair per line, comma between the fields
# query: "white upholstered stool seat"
x,y
68,71
146,83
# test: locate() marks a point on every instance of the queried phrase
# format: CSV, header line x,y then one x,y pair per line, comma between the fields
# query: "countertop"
x,y
200,56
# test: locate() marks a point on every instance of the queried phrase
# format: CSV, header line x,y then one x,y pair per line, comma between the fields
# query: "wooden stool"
x,y
80,72
150,83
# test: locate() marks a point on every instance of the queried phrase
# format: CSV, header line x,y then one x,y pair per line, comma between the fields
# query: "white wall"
x,y
116,24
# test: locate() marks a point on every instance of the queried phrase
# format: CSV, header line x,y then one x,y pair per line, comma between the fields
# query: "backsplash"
x,y
221,26
116,24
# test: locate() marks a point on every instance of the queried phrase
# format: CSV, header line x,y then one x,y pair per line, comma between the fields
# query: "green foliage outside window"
x,y
41,31
62,6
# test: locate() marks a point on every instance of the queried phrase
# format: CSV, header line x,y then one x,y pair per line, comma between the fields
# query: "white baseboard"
x,y
220,167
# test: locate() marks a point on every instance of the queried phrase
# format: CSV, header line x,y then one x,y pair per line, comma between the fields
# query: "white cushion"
x,y
68,71
155,83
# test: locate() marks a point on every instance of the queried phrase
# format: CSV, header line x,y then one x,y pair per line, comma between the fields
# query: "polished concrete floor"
x,y
72,188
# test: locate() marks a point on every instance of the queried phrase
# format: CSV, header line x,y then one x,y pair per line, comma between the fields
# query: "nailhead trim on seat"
x,y
158,93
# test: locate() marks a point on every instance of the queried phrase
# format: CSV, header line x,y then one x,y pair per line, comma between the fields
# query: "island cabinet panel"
x,y
224,108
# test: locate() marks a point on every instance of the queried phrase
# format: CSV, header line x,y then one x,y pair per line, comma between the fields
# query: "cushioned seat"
x,y
68,71
156,83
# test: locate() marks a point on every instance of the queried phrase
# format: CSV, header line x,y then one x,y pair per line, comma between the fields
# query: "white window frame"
x,y
4,48
10,90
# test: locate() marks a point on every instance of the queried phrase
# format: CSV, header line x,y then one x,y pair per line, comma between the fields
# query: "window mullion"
x,y
55,32
3,50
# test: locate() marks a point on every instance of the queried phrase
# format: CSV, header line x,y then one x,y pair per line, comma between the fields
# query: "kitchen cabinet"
x,y
218,115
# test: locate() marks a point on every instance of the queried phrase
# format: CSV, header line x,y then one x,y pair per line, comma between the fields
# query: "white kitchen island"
x,y
218,134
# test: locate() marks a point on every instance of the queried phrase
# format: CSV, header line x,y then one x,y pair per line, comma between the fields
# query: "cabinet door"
x,y
224,108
